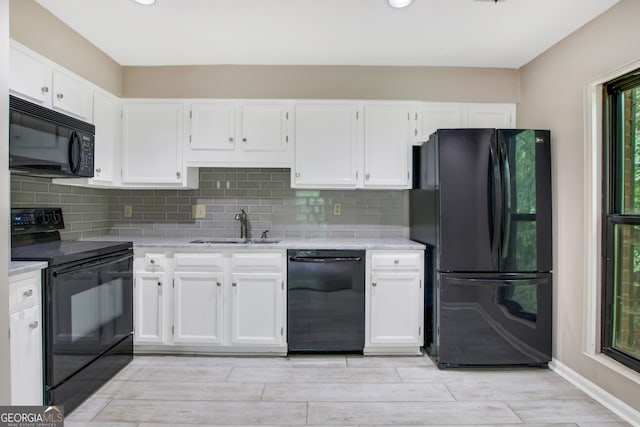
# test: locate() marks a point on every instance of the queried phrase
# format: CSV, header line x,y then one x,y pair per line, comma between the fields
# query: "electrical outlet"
x,y
199,211
337,209
128,210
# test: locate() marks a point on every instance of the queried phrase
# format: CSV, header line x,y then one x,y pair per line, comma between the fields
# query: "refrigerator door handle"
x,y
496,203
506,181
495,281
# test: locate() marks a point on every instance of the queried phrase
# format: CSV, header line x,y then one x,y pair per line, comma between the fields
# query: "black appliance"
x,y
44,142
87,303
483,207
325,301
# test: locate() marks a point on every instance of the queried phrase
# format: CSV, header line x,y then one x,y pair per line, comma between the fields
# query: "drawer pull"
x,y
234,284
44,89
33,325
60,96
374,284
396,261
218,284
28,293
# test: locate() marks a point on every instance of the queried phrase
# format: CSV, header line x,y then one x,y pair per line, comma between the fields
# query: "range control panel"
x,y
33,220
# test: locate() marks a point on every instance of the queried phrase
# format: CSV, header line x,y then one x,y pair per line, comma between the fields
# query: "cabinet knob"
x,y
98,170
374,284
33,325
178,175
234,284
218,284
244,140
28,293
160,284
44,89
396,261
297,174
231,139
152,261
366,176
60,96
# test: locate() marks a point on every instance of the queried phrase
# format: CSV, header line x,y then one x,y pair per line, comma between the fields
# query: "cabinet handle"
x,y
160,284
60,96
218,284
99,170
152,261
234,284
28,293
396,261
366,176
244,140
374,284
33,325
44,89
231,139
297,174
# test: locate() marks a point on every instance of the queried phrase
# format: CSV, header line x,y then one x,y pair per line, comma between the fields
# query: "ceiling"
x,y
468,33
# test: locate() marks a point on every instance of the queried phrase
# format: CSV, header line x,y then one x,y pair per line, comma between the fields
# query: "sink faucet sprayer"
x,y
242,217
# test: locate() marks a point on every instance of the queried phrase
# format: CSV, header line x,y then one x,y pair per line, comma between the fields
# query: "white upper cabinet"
x,y
433,116
238,133
490,115
152,137
387,151
327,145
106,115
39,80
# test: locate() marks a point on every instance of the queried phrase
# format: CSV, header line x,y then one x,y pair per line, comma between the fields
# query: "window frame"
x,y
612,208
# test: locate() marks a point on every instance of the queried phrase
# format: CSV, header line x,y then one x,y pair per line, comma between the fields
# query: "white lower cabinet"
x,y
395,307
217,302
25,331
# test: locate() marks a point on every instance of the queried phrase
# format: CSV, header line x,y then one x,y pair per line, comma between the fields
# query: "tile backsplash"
x,y
265,194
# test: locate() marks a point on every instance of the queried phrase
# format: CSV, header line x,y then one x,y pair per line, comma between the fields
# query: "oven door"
x,y
88,310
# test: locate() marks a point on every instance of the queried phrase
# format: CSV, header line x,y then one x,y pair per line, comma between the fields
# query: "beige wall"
x,y
5,383
552,96
36,28
317,82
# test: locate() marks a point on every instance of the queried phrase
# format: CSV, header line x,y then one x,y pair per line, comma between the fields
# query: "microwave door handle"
x,y
74,147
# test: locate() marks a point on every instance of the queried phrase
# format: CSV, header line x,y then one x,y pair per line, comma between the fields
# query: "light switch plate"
x,y
199,211
337,209
128,211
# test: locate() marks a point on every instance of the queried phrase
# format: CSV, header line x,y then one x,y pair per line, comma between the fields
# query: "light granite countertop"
x,y
19,267
341,243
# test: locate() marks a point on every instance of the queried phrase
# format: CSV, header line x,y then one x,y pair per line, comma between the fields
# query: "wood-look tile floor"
x,y
163,391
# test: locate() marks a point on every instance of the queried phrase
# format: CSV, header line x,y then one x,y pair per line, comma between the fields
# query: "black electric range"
x,y
87,304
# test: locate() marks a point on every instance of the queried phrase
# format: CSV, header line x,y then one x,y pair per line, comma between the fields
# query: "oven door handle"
x,y
325,260
94,263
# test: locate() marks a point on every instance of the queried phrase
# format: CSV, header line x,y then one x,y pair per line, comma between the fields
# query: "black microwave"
x,y
44,142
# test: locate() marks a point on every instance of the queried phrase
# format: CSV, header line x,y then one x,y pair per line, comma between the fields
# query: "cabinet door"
x,y
26,356
212,130
395,308
72,96
264,127
197,308
29,77
256,308
326,150
106,117
434,116
490,116
149,310
386,146
152,143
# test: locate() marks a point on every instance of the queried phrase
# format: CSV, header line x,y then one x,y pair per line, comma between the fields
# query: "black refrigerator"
x,y
482,204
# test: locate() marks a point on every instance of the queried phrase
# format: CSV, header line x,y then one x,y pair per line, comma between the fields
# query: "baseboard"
x,y
615,405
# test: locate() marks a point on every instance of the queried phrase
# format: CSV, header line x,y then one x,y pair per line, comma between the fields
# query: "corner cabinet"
x,y
327,139
395,302
152,145
25,338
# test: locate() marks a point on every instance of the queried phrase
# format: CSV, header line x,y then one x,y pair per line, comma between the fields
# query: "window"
x,y
621,221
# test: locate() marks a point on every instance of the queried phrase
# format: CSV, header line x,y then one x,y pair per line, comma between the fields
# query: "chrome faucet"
x,y
242,217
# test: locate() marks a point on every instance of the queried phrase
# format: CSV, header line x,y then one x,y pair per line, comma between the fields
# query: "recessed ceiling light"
x,y
145,2
399,3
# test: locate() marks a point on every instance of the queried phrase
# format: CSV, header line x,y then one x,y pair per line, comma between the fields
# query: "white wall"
x,y
5,382
552,96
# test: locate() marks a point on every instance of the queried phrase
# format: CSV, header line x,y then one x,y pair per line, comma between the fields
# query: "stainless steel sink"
x,y
234,241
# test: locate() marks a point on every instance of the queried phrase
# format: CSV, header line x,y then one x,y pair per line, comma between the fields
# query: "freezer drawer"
x,y
492,320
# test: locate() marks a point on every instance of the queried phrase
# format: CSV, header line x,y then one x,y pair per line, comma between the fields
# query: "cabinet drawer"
x,y
198,261
261,262
396,261
155,262
24,292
